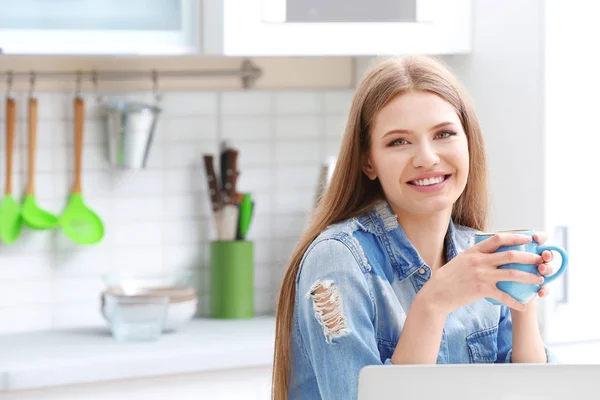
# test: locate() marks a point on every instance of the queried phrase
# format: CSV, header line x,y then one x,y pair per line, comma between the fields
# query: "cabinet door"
x,y
99,26
572,142
336,27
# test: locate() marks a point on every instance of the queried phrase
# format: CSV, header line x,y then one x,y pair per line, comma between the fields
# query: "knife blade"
x,y
231,177
213,183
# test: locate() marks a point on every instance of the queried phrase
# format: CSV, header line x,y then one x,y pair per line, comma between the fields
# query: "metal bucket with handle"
x,y
130,127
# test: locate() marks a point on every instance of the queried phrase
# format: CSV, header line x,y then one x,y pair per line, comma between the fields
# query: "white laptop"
x,y
480,382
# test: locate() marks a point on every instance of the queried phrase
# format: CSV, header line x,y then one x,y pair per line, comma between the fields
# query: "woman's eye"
x,y
445,134
399,142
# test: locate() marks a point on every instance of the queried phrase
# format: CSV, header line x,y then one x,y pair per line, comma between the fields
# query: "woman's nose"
x,y
425,156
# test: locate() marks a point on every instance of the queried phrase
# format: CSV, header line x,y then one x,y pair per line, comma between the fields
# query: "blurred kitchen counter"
x,y
90,355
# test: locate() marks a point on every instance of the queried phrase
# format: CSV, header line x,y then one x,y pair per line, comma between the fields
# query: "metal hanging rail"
x,y
248,73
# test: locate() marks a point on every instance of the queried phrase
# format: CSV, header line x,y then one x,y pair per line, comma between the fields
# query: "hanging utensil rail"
x,y
248,73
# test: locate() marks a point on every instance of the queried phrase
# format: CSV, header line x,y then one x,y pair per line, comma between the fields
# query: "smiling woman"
x,y
385,273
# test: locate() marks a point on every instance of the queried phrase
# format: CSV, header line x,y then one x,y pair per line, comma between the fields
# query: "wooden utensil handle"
x,y
78,145
10,142
32,140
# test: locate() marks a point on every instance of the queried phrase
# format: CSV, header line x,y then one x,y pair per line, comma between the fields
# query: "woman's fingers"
x,y
493,243
513,257
515,275
508,300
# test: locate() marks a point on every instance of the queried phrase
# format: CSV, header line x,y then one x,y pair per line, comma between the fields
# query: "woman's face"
x,y
419,153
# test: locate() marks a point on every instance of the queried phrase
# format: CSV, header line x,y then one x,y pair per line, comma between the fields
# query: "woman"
x,y
386,273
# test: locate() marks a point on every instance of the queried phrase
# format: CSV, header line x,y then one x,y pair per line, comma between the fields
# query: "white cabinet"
x,y
99,26
235,27
571,151
336,27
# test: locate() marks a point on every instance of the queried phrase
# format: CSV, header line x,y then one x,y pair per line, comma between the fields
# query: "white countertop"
x,y
65,357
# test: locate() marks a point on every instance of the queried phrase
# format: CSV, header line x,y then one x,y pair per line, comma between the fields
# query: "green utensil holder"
x,y
232,279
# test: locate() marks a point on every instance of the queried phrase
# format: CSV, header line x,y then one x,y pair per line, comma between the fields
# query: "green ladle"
x,y
10,210
34,216
78,222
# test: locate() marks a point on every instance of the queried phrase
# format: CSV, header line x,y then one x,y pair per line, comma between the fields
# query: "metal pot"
x,y
130,127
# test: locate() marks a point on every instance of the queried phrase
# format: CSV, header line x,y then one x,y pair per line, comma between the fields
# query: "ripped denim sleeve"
x,y
335,318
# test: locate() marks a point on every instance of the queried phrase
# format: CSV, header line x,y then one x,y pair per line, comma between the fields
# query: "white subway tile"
x,y
338,101
290,226
262,277
263,251
294,201
189,232
77,315
50,106
31,241
135,183
260,227
95,158
262,202
332,147
89,261
248,128
254,178
98,183
298,152
335,126
25,318
138,260
186,257
185,180
137,209
189,103
185,206
298,127
21,292
277,274
94,133
264,303
45,184
188,155
297,176
24,266
298,103
80,289
189,129
252,153
246,103
138,234
50,133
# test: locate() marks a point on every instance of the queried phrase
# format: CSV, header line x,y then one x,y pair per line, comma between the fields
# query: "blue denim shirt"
x,y
355,286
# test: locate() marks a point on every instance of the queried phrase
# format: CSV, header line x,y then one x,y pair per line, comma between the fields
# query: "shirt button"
x,y
422,271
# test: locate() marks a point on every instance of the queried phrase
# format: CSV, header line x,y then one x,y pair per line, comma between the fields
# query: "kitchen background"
x,y
159,220
530,67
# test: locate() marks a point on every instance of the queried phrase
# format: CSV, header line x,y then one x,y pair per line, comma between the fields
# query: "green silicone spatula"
x,y
80,223
33,215
10,210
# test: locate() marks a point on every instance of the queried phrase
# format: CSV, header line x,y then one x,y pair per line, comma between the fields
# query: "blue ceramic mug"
x,y
524,292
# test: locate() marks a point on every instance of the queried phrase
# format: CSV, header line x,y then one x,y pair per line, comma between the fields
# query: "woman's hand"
x,y
474,273
545,268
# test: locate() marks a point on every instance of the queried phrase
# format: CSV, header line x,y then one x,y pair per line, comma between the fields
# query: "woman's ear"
x,y
367,167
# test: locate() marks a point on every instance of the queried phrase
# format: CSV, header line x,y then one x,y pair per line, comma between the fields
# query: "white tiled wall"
x,y
158,219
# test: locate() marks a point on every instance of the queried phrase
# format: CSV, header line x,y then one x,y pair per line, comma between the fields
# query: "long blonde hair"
x,y
350,192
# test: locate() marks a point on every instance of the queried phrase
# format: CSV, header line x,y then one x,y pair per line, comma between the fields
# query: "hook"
x,y
95,84
78,84
155,89
31,83
9,83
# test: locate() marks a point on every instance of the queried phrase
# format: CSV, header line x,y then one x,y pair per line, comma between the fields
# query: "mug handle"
x,y
563,266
